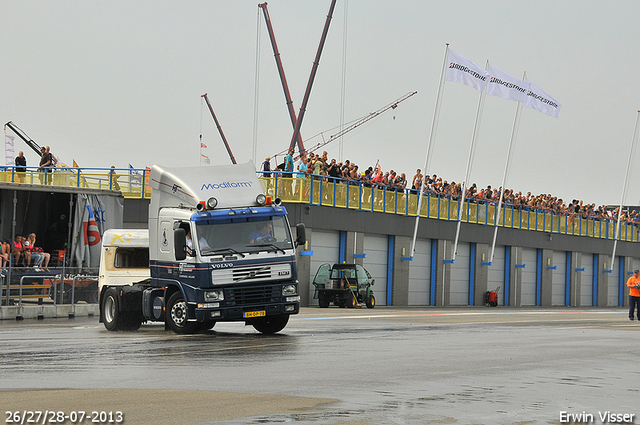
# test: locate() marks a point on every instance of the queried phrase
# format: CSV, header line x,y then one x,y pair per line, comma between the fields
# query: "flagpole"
x,y
472,149
624,191
512,141
432,136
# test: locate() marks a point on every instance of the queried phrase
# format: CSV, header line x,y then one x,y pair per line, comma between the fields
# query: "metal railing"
x,y
320,190
132,183
53,287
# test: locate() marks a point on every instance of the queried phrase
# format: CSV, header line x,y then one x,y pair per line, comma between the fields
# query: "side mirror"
x,y
372,281
180,243
301,237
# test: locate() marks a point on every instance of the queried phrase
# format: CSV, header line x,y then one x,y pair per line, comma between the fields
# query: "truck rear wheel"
x,y
113,318
271,325
111,310
177,315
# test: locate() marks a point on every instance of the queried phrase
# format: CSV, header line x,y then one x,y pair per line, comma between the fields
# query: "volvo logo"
x,y
222,265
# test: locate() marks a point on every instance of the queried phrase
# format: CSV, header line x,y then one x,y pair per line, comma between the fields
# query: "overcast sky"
x,y
120,82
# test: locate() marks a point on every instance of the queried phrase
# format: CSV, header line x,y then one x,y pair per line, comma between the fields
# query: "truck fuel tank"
x,y
153,303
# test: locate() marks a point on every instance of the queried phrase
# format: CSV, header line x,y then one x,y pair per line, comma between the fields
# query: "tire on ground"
x,y
176,315
271,324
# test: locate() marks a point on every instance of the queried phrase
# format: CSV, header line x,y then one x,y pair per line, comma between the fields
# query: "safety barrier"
x,y
49,288
132,183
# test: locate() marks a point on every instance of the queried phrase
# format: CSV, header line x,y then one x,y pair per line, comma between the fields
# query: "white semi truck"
x,y
217,249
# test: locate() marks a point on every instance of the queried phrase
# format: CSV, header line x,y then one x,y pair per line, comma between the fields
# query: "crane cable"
x,y
344,76
256,90
200,159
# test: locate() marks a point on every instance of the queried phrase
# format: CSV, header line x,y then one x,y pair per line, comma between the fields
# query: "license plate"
x,y
255,313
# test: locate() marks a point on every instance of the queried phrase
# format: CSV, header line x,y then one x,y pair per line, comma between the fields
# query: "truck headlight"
x,y
212,203
289,290
214,296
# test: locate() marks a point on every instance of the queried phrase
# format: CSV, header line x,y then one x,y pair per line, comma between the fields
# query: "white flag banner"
x,y
135,180
504,85
9,150
464,71
541,101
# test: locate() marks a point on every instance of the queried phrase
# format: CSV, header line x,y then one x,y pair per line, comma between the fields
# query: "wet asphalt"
x,y
386,365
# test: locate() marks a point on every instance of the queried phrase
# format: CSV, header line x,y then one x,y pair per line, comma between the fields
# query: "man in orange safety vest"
x,y
634,294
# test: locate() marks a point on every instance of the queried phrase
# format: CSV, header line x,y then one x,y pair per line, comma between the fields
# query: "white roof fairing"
x,y
232,185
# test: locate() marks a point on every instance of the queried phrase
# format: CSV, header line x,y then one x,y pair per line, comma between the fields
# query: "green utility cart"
x,y
344,285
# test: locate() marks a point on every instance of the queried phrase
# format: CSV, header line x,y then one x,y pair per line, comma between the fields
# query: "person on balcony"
x,y
21,167
45,162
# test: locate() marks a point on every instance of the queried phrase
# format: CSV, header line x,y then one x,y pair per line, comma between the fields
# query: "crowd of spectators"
x,y
319,167
24,252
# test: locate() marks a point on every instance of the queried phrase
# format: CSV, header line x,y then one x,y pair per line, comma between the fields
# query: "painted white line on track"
x,y
379,316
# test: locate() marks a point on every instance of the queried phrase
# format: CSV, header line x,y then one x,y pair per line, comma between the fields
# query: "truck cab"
x,y
219,250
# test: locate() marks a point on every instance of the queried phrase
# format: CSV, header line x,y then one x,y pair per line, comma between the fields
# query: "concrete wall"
x,y
549,250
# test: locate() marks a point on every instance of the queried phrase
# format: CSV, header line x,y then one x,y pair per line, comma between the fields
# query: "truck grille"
x,y
252,295
246,273
251,274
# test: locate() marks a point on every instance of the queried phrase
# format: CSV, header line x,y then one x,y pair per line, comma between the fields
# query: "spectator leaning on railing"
x,y
434,185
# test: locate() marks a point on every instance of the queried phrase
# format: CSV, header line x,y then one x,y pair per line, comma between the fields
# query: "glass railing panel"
x,y
390,201
413,203
547,219
434,206
491,215
562,224
445,210
366,198
402,202
472,212
378,200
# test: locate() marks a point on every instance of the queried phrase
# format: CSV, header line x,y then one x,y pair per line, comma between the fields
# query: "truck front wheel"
x,y
177,315
271,325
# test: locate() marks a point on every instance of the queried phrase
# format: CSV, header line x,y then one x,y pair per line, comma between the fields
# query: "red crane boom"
x,y
296,121
314,69
224,139
283,78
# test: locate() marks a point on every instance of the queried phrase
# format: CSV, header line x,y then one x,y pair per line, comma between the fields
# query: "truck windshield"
x,y
241,236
